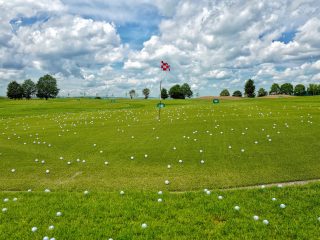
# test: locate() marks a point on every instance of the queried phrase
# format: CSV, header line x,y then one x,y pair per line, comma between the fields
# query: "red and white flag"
x,y
165,66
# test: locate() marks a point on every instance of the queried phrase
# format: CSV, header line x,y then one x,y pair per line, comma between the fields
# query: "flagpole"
x,y
160,100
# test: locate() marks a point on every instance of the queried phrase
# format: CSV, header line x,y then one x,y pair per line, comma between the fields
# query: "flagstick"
x,y
160,101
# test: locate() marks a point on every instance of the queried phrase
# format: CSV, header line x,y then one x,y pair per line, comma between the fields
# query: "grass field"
x,y
72,145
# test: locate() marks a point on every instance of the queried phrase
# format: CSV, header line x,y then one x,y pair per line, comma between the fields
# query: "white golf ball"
x,y
58,214
180,161
201,150
132,157
169,166
4,209
86,192
220,197
45,238
266,222
242,150
94,145
282,205
69,163
47,190
274,199
229,147
121,192
263,186
208,192
319,219
202,161
144,225
14,199
146,155
166,182
256,218
6,200
106,163
237,208
52,239
159,199
51,227
47,171
280,186
42,161
34,229
29,190
160,192
61,158
101,151
13,170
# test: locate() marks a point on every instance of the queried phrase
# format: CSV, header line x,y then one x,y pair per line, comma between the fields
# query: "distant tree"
x,y
275,89
300,90
146,93
225,92
132,93
29,88
237,93
262,92
14,90
164,93
47,87
186,90
176,92
313,89
249,88
286,88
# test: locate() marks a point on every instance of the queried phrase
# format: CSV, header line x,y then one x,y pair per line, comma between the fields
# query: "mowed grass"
x,y
193,215
242,143
197,129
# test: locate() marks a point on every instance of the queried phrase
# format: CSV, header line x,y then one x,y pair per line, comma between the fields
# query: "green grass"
x,y
73,126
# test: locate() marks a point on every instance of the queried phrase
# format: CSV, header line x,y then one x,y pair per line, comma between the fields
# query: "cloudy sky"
x,y
109,47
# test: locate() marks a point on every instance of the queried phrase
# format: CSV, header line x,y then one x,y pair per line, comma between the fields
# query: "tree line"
x,y
286,89
176,92
46,87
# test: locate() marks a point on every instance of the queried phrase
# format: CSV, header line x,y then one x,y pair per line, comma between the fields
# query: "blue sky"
x,y
104,47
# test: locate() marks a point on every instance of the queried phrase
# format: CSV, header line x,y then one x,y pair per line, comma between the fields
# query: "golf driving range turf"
x,y
105,147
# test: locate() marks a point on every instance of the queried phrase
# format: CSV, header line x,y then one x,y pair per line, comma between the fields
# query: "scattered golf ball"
x,y
237,208
34,229
282,205
14,199
180,161
6,200
13,170
159,199
208,192
202,161
220,197
160,192
144,225
51,227
132,157
121,192
58,214
146,155
256,218
167,182
274,199
45,238
106,163
4,209
242,150
47,171
169,166
86,192
280,186
266,222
